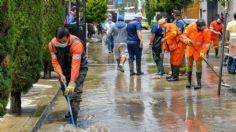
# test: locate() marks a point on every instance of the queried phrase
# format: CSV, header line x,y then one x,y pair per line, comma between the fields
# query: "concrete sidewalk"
x,y
35,104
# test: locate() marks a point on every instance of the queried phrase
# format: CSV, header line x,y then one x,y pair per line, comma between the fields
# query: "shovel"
x,y
223,83
69,105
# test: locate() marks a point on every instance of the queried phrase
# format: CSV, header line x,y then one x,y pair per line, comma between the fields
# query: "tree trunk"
x,y
15,102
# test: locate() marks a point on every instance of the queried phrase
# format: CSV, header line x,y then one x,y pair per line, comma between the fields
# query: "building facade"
x,y
193,11
211,9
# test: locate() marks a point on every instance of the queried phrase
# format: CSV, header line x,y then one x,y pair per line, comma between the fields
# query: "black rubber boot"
x,y
138,68
75,110
170,76
199,85
216,52
67,115
175,74
189,84
131,68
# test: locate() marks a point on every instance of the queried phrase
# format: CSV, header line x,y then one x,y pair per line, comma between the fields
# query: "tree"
x,y
51,21
25,33
5,75
33,24
168,5
96,10
150,10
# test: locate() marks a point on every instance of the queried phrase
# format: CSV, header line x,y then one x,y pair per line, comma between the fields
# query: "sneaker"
x,y
121,68
160,73
173,79
168,77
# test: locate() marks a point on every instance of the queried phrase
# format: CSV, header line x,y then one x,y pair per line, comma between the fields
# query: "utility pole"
x,y
222,50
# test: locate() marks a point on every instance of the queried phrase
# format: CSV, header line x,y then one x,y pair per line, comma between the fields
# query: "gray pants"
x,y
158,60
76,96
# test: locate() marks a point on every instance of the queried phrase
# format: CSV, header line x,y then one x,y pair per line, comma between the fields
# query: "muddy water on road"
x,y
114,101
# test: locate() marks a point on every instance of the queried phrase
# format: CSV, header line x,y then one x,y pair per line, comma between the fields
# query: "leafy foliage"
x,y
25,35
222,2
26,28
165,5
96,10
149,9
5,74
53,12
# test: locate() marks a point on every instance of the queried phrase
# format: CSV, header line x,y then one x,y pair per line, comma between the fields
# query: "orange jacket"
x,y
171,36
216,27
76,51
201,40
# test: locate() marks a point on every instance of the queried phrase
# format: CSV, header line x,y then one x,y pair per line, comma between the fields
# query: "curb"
x,y
44,114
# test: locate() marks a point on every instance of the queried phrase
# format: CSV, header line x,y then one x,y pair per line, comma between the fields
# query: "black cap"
x,y
177,12
201,22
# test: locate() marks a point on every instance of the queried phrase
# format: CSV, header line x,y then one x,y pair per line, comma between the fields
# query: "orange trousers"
x,y
176,56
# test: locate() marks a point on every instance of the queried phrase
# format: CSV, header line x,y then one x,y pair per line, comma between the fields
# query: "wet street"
x,y
115,102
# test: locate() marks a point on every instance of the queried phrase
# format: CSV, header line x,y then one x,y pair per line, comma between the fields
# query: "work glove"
x,y
202,54
190,43
70,88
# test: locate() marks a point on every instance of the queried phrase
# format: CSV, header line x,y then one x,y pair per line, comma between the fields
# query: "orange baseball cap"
x,y
162,21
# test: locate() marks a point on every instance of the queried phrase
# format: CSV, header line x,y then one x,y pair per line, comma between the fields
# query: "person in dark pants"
x,y
156,45
110,40
135,44
69,61
91,30
180,23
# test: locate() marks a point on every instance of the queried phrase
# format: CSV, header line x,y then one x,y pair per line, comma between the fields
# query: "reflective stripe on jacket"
x,y
201,40
67,60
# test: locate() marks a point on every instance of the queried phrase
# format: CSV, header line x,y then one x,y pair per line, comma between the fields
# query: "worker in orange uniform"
x,y
171,43
70,63
216,28
198,38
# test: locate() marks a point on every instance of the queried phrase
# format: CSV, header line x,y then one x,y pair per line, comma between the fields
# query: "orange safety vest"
x,y
172,37
216,27
73,52
201,40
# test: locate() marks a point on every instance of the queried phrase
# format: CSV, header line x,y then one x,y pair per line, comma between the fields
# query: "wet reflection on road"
x,y
114,101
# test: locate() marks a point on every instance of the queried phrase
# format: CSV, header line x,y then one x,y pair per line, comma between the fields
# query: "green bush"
x,y
96,10
5,75
53,17
33,23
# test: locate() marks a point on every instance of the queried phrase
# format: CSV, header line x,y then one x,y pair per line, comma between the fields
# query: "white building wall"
x,y
232,9
203,7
